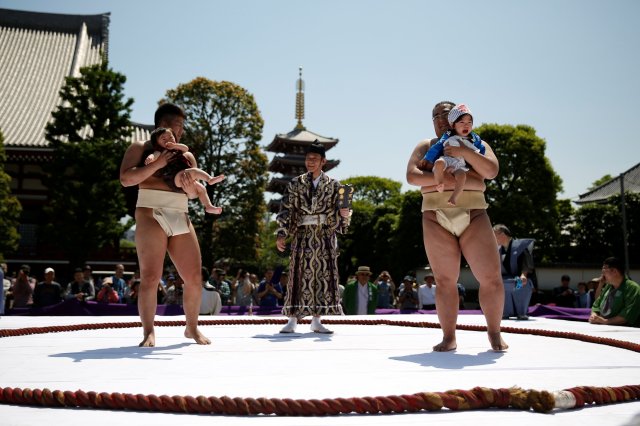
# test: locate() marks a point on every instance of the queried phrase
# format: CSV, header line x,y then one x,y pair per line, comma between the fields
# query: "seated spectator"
x,y
3,270
107,294
132,295
47,292
161,293
22,288
284,281
221,285
88,277
592,286
360,296
462,293
79,288
268,293
427,293
408,298
243,289
583,299
175,292
619,300
119,284
563,295
210,303
386,289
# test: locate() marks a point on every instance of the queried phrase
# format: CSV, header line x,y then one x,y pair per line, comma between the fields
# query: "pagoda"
x,y
290,149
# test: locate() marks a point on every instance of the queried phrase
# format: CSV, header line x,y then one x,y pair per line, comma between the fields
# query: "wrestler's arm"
x,y
415,176
131,174
485,165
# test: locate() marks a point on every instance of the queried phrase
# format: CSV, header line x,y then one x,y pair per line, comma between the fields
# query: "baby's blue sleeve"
x,y
434,152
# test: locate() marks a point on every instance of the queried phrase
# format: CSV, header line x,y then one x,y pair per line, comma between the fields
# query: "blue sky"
x,y
373,69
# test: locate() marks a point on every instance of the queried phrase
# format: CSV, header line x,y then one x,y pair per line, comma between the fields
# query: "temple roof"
x,y
631,183
297,140
284,163
37,51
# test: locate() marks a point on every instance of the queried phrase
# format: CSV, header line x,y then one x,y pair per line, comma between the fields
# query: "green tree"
x,y
598,229
407,245
375,211
604,179
223,129
524,194
10,208
88,135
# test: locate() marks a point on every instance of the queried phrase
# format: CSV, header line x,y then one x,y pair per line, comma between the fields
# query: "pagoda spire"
x,y
300,101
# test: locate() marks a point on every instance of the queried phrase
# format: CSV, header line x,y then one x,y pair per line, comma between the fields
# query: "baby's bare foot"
x,y
440,187
213,210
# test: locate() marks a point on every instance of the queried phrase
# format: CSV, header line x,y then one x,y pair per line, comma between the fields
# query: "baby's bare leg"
x,y
204,199
461,178
438,173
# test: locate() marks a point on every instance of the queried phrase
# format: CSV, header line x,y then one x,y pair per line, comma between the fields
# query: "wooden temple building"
x,y
290,151
37,51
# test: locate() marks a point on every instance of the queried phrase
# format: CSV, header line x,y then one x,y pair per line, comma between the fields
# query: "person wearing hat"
x,y
47,292
427,293
310,218
448,231
361,295
461,122
408,297
517,268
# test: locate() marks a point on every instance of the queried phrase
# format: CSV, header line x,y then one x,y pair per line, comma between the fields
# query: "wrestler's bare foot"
x,y
497,344
216,179
197,336
213,210
149,340
446,345
440,187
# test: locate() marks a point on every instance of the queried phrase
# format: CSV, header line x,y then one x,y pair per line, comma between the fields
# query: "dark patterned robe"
x,y
313,272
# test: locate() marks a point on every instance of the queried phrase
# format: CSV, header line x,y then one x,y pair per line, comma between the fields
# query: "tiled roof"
x,y
603,192
297,140
37,52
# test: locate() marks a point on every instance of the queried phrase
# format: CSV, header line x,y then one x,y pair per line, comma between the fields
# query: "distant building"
x,y
290,150
37,51
629,180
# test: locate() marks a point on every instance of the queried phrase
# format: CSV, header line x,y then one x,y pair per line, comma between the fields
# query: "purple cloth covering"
x,y
74,307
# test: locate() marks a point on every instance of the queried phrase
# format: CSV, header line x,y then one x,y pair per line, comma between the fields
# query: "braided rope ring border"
x,y
476,398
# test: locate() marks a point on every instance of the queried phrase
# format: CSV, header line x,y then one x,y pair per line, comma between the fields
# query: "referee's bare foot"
x,y
197,336
446,345
497,344
149,340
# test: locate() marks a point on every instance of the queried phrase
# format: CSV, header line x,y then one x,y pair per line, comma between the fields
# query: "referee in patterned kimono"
x,y
310,216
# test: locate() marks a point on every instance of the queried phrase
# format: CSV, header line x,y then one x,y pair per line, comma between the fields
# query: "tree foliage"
x,y
223,129
10,208
88,135
524,194
598,231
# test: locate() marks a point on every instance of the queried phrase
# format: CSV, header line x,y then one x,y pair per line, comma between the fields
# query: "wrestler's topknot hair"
x,y
166,112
